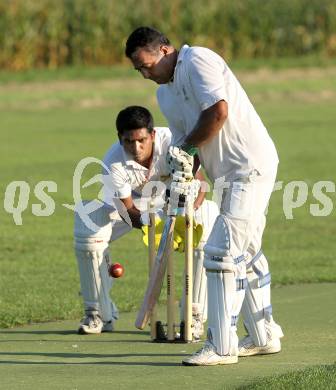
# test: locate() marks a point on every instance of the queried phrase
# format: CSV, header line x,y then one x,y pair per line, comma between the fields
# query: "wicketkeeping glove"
x,y
179,233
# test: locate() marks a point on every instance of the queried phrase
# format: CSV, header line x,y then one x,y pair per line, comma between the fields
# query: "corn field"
x,y
54,33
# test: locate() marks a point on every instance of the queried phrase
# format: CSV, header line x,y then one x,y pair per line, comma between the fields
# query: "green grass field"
x,y
52,356
49,124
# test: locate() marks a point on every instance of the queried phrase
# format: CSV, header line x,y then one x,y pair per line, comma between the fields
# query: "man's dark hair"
x,y
134,117
145,37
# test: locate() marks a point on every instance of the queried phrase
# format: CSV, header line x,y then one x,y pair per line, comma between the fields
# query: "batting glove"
x,y
180,163
189,189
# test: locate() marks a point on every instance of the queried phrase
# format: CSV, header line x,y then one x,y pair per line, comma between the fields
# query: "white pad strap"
x,y
91,248
257,308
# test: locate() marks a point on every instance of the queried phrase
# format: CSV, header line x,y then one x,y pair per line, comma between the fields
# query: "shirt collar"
x,y
157,149
180,57
182,53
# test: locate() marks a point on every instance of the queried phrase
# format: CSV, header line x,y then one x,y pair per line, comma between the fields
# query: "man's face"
x,y
139,144
155,65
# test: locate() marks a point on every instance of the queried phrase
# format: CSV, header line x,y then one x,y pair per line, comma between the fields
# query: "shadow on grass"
x,y
144,336
154,364
61,332
88,355
91,356
81,339
65,332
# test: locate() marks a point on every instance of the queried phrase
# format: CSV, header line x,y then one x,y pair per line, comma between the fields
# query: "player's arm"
x,y
133,212
208,125
210,89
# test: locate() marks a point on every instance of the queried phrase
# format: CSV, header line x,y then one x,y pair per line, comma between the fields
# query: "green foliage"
x,y
71,32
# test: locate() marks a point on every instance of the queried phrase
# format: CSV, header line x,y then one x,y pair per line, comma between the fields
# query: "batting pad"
x,y
221,296
91,249
226,279
257,309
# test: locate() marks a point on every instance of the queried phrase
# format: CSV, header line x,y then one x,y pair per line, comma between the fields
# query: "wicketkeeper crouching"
x,y
139,158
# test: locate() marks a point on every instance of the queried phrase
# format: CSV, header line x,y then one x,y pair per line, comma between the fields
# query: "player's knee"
x,y
217,248
218,255
92,230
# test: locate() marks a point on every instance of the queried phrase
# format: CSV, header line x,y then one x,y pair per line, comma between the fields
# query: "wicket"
x,y
157,328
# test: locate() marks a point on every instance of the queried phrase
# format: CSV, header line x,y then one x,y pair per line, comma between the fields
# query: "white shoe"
x,y
248,348
207,356
93,324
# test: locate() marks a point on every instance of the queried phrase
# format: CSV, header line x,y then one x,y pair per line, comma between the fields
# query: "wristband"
x,y
190,149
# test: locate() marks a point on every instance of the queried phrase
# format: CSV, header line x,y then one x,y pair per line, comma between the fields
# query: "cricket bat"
x,y
188,275
157,275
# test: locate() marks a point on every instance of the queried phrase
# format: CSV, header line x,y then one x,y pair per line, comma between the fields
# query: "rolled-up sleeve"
x,y
206,71
115,185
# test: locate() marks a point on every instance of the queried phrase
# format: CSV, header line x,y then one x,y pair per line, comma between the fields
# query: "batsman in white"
x,y
209,112
131,165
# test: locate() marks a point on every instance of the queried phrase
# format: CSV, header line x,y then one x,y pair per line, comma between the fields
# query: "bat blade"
x,y
157,275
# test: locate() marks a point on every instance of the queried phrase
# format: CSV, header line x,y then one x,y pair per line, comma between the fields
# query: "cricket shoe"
x,y
207,356
93,324
247,347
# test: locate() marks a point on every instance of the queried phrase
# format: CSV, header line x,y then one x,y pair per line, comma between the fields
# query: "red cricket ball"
x,y
116,270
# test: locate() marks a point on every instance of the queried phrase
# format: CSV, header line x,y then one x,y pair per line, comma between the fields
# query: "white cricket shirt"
x,y
125,177
201,79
